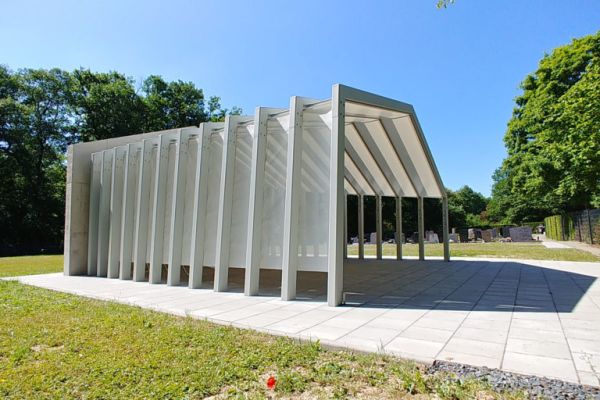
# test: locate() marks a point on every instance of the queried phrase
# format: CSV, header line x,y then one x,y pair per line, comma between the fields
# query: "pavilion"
x,y
267,191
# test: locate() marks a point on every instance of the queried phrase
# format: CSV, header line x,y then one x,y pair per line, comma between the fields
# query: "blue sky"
x,y
460,67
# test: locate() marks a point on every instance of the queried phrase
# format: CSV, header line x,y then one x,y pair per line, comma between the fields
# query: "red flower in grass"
x,y
271,382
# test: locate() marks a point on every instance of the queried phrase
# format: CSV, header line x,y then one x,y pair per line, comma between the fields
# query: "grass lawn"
x,y
29,265
526,251
56,345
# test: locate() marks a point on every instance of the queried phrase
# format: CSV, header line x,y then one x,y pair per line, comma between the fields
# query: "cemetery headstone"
x,y
373,238
486,235
431,237
463,235
520,234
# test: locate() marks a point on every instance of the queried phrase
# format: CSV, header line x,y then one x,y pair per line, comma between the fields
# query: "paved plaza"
x,y
531,317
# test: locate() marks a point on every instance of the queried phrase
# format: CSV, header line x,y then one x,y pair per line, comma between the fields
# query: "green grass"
x,y
55,345
526,251
29,265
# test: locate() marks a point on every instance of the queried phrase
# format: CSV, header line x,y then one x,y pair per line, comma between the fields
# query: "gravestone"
x,y
373,238
463,235
431,237
415,237
454,237
520,234
486,235
401,237
474,234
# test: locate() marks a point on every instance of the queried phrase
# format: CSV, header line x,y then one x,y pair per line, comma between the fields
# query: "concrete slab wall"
x,y
78,197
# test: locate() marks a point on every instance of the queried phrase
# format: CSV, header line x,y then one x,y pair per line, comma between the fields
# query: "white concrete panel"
x,y
241,195
116,210
104,212
313,221
274,192
132,168
159,194
96,160
215,154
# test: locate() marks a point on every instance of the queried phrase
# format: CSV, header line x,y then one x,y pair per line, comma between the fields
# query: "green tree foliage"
x,y
35,127
43,111
172,104
467,208
553,138
107,105
444,3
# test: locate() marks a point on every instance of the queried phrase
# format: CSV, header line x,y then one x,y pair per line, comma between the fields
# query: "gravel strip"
x,y
535,387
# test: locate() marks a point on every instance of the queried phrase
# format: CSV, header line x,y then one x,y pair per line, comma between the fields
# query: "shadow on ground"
x,y
502,286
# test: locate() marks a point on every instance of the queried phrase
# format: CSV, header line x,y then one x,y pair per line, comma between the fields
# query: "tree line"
x,y
43,111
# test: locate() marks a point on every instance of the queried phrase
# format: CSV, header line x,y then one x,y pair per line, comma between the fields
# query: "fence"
x,y
583,226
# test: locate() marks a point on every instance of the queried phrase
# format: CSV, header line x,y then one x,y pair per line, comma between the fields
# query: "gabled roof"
x,y
386,151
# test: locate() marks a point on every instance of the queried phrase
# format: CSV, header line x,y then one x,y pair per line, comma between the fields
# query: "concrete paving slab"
x,y
538,365
483,335
538,348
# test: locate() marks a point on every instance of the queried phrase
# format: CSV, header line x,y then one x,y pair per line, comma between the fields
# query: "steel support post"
x,y
421,227
399,228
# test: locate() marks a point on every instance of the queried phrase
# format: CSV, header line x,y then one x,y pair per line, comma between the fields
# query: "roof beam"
x,y
348,93
374,151
354,183
362,168
428,155
403,155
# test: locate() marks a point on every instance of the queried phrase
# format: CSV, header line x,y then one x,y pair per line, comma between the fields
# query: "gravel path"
x,y
534,386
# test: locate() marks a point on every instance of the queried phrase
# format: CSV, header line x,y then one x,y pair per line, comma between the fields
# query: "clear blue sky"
x,y
460,67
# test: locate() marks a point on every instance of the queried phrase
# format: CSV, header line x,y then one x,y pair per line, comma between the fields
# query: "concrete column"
x,y
399,228
361,226
116,211
445,227
177,208
345,225
421,227
96,167
140,232
293,188
128,216
257,177
379,226
335,270
225,205
199,205
104,212
158,209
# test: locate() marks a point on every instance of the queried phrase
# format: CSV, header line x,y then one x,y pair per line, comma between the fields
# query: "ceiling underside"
x,y
385,154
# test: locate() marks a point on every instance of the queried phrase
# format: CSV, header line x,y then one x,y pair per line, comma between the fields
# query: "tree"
x,y
172,104
106,105
35,127
553,138
469,200
216,113
43,111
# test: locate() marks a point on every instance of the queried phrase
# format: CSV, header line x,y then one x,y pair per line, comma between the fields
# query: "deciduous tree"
x,y
553,138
